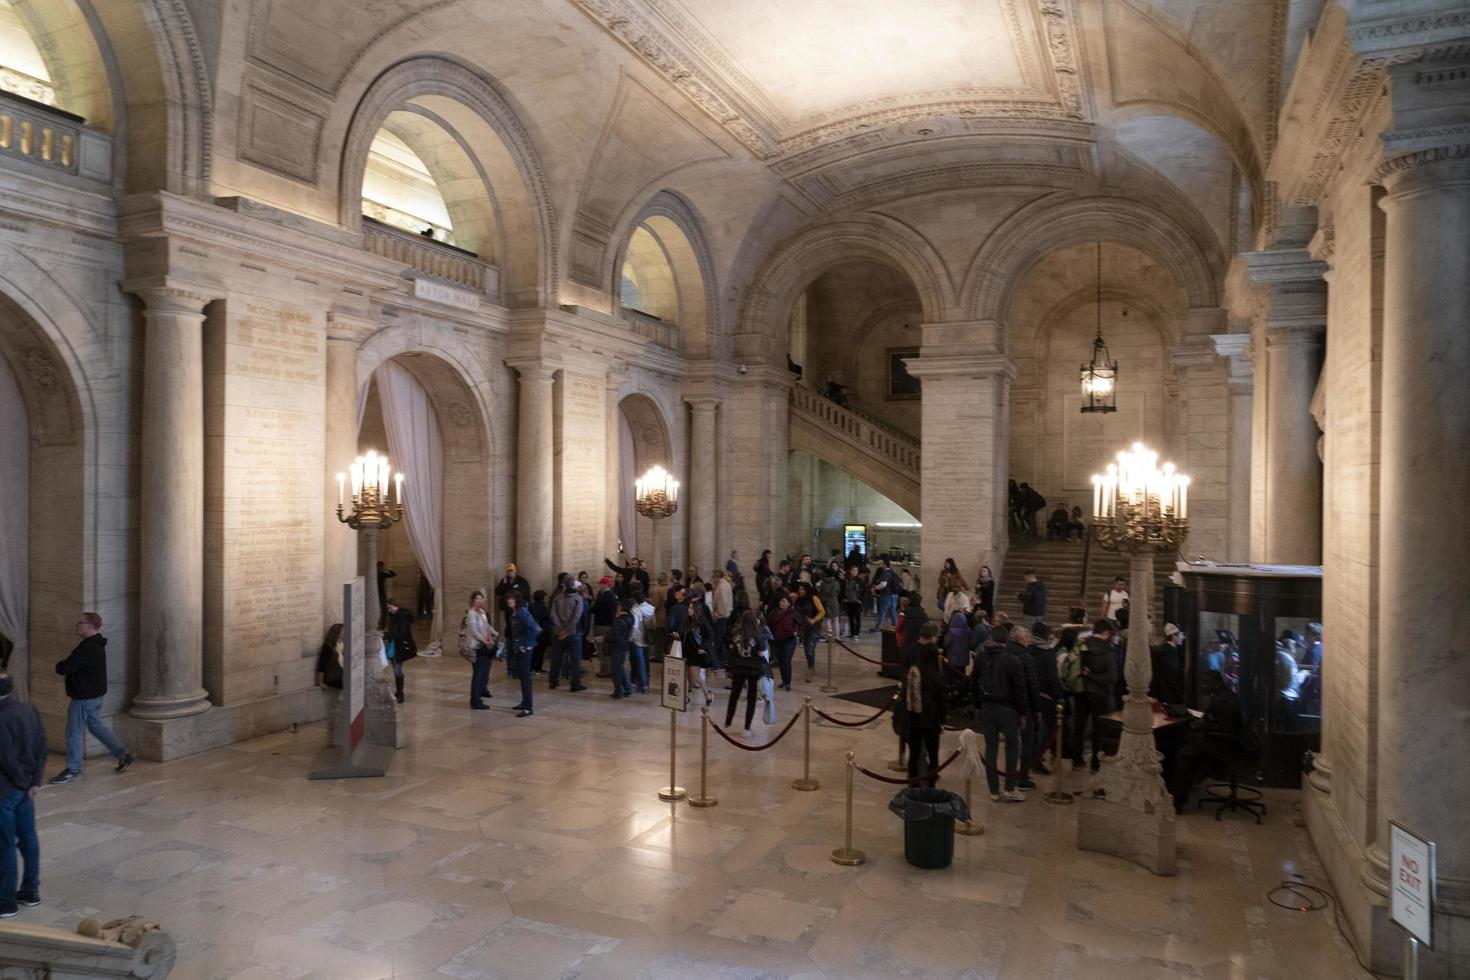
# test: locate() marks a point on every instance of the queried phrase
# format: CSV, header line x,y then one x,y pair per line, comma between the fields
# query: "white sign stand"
x,y
352,704
1411,891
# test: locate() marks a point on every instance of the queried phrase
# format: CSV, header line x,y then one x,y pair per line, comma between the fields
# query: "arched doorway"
x,y
419,409
42,456
643,442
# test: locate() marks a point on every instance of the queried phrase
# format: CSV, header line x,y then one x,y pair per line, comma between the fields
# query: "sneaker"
x,y
578,687
995,797
520,707
525,713
1010,796
29,898
479,707
1025,785
124,762
65,776
8,910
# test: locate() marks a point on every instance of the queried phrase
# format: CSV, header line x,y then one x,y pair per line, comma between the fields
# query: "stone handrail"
x,y
61,955
897,448
652,328
432,258
53,139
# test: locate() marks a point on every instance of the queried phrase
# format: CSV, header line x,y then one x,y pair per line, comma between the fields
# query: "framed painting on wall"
x,y
902,386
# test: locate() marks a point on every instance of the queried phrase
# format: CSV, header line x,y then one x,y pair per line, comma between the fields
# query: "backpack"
x,y
466,641
992,680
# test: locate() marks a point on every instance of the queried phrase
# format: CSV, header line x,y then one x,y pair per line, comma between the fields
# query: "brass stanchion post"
x,y
703,799
898,764
828,687
849,856
1059,794
806,783
673,792
974,828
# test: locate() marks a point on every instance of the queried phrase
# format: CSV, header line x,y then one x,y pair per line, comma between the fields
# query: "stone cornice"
x,y
1194,354
1231,345
1402,164
962,366
1430,34
1283,265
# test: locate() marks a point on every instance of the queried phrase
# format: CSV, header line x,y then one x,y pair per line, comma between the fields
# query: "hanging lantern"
x,y
1100,376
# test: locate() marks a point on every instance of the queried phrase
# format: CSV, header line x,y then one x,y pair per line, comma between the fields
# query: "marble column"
x,y
534,474
339,545
1423,709
171,505
702,490
614,454
1292,354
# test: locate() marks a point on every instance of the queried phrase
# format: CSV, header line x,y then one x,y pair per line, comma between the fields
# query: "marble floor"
x,y
498,847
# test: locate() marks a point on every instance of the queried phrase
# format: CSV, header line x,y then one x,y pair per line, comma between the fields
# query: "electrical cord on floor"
x,y
1303,896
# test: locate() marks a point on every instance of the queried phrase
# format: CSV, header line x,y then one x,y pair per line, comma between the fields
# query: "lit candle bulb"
x,y
1096,495
341,478
398,490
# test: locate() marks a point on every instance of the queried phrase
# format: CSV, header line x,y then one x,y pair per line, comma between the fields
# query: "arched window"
x,y
647,284
22,70
399,190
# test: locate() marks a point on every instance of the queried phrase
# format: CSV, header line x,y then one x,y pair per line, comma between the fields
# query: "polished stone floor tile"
x,y
498,847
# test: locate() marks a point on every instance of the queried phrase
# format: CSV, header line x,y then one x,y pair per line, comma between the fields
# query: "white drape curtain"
x,y
416,448
627,511
15,486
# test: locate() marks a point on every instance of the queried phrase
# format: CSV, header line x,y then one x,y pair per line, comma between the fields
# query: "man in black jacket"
x,y
512,581
22,759
86,684
1099,675
1043,656
633,573
1000,690
1033,598
1018,644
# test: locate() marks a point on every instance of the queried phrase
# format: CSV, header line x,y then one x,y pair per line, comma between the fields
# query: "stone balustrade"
x,y
50,138
652,328
899,448
885,458
57,954
432,258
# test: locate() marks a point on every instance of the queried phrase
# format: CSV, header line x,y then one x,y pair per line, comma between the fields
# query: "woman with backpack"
x,y
696,636
750,660
398,644
921,704
619,641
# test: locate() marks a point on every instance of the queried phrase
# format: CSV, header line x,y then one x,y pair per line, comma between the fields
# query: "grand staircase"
x,y
1059,564
883,457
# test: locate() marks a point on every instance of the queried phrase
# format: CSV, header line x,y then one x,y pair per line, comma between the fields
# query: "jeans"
x,y
640,668
751,684
785,650
717,655
854,618
887,609
809,644
619,658
923,752
996,720
1091,706
518,664
1038,730
18,829
480,675
566,655
81,717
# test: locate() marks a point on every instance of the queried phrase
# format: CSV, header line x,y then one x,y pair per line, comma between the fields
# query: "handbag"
x,y
768,693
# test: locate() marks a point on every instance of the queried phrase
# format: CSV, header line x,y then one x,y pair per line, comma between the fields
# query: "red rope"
x,y
753,748
907,782
855,724
855,653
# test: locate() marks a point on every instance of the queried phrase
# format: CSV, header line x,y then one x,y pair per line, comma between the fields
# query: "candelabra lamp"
x,y
656,497
1139,509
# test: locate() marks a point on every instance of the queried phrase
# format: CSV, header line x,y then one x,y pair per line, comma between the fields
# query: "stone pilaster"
x,y
339,542
1291,352
612,492
1240,383
966,398
1202,444
534,479
702,489
1424,688
171,521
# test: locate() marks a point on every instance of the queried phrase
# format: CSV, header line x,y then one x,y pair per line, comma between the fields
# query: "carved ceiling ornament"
x,y
665,36
38,365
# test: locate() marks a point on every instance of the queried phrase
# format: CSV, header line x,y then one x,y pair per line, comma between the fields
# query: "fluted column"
x,y
171,520
702,449
614,454
1424,687
1241,381
1292,353
534,474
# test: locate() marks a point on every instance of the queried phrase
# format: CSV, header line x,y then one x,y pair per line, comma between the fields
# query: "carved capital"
x,y
1427,168
172,299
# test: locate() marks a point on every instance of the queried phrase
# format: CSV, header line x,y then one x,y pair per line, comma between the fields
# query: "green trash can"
x,y
928,824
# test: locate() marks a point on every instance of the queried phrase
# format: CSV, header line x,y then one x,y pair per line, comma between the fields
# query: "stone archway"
x,y
642,424
52,526
466,482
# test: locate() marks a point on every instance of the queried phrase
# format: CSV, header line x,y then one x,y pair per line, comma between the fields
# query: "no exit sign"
x,y
1411,882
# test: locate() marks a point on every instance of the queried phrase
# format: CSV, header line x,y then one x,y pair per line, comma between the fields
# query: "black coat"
x,y
1101,666
329,666
1033,681
504,588
930,717
400,631
1033,599
1168,674
22,745
86,669
1045,659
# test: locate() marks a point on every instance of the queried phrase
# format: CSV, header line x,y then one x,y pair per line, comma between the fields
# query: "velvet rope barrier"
x,y
856,724
855,653
1001,773
908,782
753,748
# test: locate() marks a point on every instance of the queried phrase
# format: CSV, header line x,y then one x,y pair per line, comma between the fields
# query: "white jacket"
x,y
642,619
